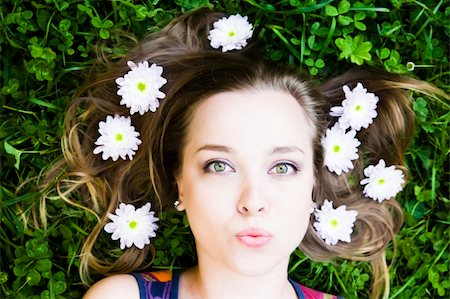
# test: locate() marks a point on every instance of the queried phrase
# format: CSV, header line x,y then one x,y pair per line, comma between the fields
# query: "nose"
x,y
252,199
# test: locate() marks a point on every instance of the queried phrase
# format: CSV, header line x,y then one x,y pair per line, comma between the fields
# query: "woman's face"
x,y
246,179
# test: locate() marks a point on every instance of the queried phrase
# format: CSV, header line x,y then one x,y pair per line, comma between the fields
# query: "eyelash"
x,y
292,168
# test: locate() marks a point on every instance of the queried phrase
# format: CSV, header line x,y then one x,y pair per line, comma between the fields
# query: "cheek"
x,y
297,209
298,192
298,217
208,199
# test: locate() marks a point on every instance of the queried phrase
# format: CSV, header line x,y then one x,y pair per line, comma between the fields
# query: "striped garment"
x,y
162,285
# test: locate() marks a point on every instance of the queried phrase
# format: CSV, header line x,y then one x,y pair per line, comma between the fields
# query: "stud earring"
x,y
176,204
313,207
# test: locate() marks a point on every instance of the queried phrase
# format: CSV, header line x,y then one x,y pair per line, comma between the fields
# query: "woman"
x,y
199,121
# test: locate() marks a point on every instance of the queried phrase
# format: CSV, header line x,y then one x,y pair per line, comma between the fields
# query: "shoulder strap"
x,y
313,294
157,284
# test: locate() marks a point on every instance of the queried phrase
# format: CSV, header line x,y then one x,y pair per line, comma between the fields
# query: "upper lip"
x,y
253,232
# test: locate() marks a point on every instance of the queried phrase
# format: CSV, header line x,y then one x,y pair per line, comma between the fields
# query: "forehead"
x,y
262,118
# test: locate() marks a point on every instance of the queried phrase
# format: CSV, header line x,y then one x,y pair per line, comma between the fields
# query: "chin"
x,y
251,271
255,264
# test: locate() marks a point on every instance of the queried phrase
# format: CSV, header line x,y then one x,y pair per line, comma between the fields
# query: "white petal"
x,y
340,149
358,108
334,225
230,33
381,182
139,88
118,138
137,233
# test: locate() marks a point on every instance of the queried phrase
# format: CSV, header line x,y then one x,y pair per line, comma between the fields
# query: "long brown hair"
x,y
194,72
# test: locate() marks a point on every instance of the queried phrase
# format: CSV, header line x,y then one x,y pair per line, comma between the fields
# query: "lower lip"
x,y
254,241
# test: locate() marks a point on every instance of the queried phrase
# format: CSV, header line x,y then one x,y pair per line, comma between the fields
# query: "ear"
x,y
179,179
313,207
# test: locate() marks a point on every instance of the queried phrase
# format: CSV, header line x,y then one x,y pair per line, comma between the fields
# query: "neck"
x,y
212,281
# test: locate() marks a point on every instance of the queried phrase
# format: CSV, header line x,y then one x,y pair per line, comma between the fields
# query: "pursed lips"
x,y
254,237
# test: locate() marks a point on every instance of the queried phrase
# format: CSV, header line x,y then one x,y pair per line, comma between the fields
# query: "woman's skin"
x,y
246,185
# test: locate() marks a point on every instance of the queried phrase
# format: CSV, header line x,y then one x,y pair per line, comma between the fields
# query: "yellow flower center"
x,y
141,86
231,33
336,148
119,137
132,224
381,181
357,108
334,223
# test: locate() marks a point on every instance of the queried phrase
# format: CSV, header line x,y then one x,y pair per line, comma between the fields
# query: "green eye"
x,y
219,166
284,168
281,169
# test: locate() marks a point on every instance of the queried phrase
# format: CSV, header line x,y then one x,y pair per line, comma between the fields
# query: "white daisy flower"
x,y
132,227
382,182
230,33
139,87
118,138
358,109
334,225
340,149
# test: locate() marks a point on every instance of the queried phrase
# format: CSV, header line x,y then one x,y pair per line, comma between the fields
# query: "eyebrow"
x,y
286,150
216,148
226,149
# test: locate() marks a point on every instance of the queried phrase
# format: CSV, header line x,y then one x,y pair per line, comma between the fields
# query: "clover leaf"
x,y
354,48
